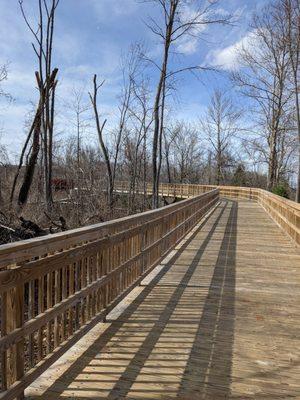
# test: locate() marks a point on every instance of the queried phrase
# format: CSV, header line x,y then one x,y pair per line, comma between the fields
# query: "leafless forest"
x,y
65,181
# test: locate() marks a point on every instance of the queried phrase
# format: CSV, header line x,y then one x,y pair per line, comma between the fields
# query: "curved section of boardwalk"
x,y
219,319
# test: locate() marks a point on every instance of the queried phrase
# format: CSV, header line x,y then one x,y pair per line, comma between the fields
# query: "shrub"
x,y
281,190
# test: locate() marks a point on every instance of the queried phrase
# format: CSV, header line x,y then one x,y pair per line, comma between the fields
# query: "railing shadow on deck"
x,y
208,364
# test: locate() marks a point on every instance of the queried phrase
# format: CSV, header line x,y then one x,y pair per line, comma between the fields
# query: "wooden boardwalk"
x,y
218,319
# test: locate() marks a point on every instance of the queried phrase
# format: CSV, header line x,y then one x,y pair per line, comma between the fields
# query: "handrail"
x,y
55,288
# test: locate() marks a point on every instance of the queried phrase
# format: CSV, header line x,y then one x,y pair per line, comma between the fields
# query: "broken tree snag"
x,y
21,162
45,90
61,225
63,222
32,226
30,167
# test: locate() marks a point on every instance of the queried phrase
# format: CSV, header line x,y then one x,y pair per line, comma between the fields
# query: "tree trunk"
x,y
272,164
110,179
157,105
298,128
30,168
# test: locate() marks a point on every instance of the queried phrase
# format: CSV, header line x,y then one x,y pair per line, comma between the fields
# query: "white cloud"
x,y
188,43
227,58
188,46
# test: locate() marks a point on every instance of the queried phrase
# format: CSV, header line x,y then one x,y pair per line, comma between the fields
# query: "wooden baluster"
x,y
88,299
57,297
31,314
123,274
83,285
14,315
41,309
113,286
111,265
91,275
99,274
71,291
105,271
142,246
3,333
64,296
77,288
93,278
49,305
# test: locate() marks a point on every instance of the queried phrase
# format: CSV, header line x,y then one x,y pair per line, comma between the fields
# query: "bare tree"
x,y
170,134
263,79
177,24
33,140
100,129
188,153
3,77
136,139
43,122
4,159
288,11
79,117
4,162
79,109
129,68
220,126
183,153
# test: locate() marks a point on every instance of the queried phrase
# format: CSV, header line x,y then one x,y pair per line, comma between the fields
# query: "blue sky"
x,y
92,35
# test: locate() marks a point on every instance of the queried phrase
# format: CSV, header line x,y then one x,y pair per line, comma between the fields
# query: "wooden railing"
x,y
55,288
285,213
189,190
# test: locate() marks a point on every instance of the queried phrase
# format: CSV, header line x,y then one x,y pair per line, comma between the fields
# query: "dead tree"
x,y
100,128
43,48
111,158
33,139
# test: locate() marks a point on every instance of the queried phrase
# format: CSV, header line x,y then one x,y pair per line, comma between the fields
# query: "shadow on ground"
x,y
189,325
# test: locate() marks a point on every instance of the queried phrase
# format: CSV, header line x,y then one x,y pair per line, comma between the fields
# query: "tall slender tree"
x,y
220,126
264,79
288,11
180,19
40,135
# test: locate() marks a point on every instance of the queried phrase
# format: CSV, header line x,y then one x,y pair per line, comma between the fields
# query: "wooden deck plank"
x,y
220,319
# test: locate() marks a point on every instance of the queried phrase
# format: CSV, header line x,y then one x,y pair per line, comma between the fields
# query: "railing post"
x,y
142,247
13,318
